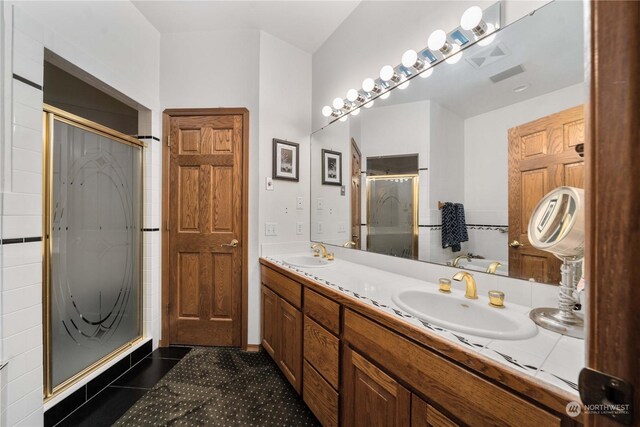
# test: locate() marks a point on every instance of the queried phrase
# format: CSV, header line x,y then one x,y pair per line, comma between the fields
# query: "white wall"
x,y
378,32
120,49
486,164
285,113
446,175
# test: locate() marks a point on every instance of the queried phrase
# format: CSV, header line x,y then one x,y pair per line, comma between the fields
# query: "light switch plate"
x,y
268,183
320,203
319,227
299,205
342,227
270,229
299,226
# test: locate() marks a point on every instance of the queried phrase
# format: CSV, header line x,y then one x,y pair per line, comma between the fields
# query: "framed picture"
x,y
331,167
286,160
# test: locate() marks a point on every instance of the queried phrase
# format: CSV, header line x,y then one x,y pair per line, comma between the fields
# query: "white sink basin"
x,y
306,261
457,313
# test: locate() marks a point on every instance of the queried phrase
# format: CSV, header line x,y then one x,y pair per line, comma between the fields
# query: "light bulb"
x,y
385,95
490,36
368,85
355,112
387,73
352,95
410,59
404,84
472,20
438,41
368,104
455,57
344,118
426,73
327,111
338,103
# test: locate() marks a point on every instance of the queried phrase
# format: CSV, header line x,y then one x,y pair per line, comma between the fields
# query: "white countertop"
x,y
548,356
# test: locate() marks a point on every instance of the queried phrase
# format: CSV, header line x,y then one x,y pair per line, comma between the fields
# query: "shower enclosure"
x,y
392,215
92,246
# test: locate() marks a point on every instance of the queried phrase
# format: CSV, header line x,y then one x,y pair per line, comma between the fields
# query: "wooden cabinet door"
x,y
269,320
371,398
542,156
289,343
425,415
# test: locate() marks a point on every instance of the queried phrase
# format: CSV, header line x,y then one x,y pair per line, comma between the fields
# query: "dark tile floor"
x,y
111,403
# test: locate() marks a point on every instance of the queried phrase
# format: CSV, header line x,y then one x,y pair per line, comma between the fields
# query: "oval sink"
x,y
306,261
457,313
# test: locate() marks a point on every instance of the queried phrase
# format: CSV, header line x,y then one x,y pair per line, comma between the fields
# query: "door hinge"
x,y
169,141
603,394
167,308
166,224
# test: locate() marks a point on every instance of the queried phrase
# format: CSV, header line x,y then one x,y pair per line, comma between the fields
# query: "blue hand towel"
x,y
454,228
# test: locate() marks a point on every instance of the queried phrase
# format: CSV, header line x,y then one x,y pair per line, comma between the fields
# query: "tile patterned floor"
x,y
112,402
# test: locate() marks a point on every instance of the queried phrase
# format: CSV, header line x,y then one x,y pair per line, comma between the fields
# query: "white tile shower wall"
x,y
76,33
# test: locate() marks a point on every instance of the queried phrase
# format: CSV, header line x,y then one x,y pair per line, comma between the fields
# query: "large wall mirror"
x,y
449,169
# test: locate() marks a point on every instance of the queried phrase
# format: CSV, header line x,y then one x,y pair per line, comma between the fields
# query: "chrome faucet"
x,y
493,267
349,244
471,291
317,247
459,257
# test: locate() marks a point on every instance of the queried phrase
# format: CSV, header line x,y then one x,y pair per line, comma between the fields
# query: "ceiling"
x,y
305,24
548,45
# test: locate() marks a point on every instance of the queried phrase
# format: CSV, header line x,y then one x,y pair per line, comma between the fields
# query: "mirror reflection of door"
x,y
356,193
542,156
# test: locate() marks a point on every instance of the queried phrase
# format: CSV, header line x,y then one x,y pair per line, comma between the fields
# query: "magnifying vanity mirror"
x,y
557,227
449,167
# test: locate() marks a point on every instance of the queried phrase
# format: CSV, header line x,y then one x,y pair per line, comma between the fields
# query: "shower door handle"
x,y
232,244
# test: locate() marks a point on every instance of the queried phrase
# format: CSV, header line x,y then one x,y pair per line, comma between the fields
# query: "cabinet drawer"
x,y
282,285
321,398
322,350
452,387
322,310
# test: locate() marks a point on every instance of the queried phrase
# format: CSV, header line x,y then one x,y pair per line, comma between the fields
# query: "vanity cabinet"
x,y
355,367
371,397
282,324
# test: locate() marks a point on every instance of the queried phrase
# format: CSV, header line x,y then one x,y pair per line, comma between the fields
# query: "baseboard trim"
x,y
253,348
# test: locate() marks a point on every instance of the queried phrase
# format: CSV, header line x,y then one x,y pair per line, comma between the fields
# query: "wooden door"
x,y
542,156
269,320
356,193
370,397
205,228
289,346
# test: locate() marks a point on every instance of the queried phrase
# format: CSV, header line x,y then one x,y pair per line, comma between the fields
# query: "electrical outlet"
x,y
268,183
319,227
299,205
299,226
342,228
320,203
270,229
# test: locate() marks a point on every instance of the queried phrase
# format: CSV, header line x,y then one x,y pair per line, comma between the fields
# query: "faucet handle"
x,y
496,299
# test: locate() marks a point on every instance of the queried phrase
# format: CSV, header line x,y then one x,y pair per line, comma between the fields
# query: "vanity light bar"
x,y
476,25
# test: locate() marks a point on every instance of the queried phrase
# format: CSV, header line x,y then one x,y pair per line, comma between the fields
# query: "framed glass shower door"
x,y
93,246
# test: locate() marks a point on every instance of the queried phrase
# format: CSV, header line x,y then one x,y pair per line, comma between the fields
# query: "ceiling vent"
x,y
513,71
488,55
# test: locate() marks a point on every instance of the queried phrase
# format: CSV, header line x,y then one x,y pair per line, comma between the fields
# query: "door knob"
x,y
515,244
232,244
